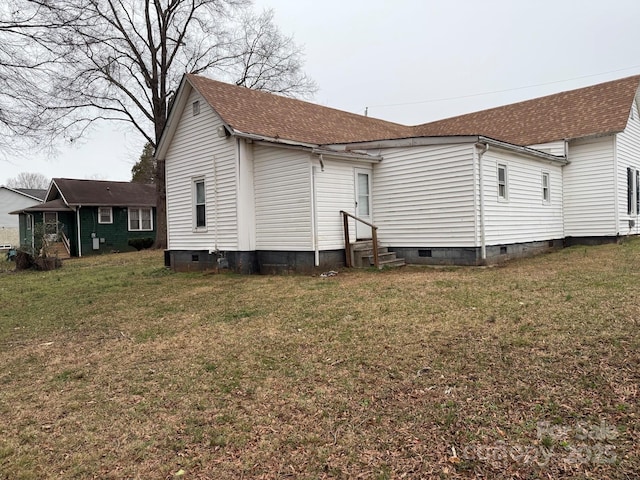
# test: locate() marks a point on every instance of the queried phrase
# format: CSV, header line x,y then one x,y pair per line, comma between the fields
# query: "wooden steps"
x,y
362,252
58,249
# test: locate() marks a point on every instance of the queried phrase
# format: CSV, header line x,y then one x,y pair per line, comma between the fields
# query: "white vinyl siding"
x,y
197,151
628,156
424,196
282,189
9,224
589,189
556,148
335,191
524,217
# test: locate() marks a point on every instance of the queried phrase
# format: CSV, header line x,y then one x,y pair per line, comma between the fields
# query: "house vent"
x,y
424,253
196,107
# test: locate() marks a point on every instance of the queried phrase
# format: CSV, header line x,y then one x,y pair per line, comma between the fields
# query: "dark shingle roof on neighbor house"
x,y
56,205
596,110
33,192
94,193
105,193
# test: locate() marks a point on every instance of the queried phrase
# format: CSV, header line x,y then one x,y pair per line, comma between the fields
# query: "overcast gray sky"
x,y
412,61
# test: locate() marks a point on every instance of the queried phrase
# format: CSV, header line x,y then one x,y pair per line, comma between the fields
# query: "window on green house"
x,y
140,219
105,215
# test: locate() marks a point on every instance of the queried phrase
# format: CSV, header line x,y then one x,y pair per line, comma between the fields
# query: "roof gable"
x,y
98,192
273,116
600,109
596,110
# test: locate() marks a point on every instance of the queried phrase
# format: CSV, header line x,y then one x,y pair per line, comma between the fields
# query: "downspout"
x,y
314,206
483,242
215,200
616,208
314,214
79,236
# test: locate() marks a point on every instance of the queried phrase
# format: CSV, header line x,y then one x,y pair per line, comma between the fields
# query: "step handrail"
x,y
347,243
65,242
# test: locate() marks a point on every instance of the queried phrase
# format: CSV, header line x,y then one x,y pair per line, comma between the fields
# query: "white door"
x,y
363,202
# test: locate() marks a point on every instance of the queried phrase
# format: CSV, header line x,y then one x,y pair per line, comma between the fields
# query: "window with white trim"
x,y
503,193
140,219
637,192
546,188
105,215
632,191
199,204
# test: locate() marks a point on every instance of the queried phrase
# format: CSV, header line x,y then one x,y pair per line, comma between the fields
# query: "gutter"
x,y
313,148
524,150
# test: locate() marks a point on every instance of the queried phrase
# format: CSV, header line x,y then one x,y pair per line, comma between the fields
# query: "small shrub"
x,y
141,243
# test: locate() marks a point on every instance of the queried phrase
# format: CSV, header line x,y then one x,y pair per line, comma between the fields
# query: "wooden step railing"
x,y
347,243
65,242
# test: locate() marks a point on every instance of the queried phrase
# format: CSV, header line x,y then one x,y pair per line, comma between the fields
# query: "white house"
x,y
13,199
261,180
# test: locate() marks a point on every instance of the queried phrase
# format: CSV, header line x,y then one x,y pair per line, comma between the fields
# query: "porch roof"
x,y
56,205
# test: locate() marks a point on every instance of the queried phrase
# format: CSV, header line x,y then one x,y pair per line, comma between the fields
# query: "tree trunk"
x,y
161,206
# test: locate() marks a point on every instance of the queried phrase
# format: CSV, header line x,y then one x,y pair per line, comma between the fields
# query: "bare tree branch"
x,y
65,64
36,181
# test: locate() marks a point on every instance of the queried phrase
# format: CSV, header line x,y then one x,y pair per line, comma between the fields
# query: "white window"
x,y
502,183
140,219
200,204
546,191
105,215
632,191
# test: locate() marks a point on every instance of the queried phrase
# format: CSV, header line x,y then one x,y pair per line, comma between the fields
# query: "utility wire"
x,y
499,91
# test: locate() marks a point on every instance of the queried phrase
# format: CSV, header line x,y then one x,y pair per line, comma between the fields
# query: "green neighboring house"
x,y
87,217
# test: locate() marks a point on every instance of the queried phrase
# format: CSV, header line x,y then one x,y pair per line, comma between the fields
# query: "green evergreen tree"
x,y
144,170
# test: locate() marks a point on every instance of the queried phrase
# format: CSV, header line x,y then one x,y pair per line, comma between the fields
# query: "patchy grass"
x,y
113,367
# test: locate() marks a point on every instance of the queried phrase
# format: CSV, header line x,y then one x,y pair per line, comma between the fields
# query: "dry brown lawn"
x,y
114,368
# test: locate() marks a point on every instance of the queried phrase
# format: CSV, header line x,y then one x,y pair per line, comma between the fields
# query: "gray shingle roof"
x,y
105,193
33,192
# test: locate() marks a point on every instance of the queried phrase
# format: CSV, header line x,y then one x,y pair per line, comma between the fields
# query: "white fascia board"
x,y
524,150
54,184
409,142
175,113
309,147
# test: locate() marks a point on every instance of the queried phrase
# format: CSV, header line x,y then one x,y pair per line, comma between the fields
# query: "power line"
x,y
500,91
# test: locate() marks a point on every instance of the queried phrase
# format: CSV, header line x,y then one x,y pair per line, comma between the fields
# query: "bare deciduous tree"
x,y
29,180
123,60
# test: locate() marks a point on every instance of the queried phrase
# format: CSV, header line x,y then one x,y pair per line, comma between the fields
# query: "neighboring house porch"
x,y
85,217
